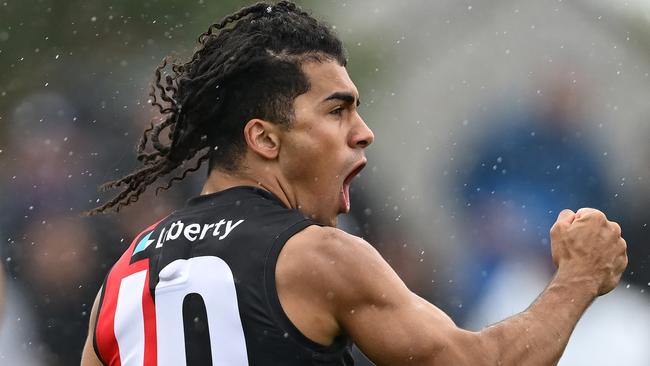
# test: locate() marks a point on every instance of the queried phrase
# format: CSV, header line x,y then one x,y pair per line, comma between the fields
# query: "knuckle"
x,y
565,212
559,226
599,215
596,218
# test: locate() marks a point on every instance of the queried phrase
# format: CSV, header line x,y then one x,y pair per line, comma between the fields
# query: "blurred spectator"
x,y
529,168
635,223
19,340
57,263
56,258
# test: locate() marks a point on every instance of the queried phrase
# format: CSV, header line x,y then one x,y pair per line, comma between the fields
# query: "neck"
x,y
219,180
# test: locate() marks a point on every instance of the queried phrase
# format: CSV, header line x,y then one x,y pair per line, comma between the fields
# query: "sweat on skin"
x,y
193,232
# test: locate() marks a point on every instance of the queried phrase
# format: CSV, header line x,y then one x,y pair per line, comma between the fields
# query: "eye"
x,y
337,111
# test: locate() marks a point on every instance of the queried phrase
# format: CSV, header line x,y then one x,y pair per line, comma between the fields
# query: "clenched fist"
x,y
589,248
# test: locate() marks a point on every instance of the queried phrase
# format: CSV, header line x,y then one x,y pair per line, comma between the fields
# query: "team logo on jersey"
x,y
191,232
143,243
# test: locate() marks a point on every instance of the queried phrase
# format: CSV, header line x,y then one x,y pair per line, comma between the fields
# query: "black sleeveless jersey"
x,y
198,288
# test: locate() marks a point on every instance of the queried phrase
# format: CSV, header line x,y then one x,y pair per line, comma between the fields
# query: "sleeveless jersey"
x,y
198,288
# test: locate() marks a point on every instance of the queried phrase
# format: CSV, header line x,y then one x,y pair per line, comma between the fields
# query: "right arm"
x,y
591,256
352,290
539,335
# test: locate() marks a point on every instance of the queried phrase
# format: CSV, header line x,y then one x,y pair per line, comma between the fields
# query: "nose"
x,y
362,135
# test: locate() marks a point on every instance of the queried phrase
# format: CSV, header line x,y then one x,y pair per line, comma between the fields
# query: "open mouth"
x,y
345,188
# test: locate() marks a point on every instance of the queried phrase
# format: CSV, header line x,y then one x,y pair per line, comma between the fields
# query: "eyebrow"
x,y
346,97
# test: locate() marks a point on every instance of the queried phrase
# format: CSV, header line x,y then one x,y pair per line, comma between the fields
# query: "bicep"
x,y
391,324
411,332
88,356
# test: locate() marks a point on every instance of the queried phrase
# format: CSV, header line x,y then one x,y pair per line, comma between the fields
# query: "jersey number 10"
x,y
210,278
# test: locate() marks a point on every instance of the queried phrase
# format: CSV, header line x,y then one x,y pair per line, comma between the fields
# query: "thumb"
x,y
566,216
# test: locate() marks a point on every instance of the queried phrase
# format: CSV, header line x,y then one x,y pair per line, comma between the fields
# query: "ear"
x,y
262,137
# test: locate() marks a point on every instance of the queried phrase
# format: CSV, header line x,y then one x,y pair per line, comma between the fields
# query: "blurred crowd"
x,y
55,257
539,160
74,124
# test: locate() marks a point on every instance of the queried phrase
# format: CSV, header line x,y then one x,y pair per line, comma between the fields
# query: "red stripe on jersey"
x,y
105,338
149,314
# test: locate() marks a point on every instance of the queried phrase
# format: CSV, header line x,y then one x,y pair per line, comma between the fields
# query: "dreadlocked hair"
x,y
246,66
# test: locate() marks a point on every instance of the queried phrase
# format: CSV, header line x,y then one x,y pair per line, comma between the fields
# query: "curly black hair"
x,y
247,66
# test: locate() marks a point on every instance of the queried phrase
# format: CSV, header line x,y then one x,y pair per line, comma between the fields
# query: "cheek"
x,y
310,166
312,159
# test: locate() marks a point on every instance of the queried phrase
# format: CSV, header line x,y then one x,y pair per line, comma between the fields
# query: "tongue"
x,y
345,198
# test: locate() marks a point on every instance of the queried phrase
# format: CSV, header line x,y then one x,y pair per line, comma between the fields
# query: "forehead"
x,y
327,77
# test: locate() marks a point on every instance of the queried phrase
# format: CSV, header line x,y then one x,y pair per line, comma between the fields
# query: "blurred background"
x,y
490,117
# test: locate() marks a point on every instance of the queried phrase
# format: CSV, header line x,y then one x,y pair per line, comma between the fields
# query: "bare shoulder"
x,y
332,261
329,240
328,247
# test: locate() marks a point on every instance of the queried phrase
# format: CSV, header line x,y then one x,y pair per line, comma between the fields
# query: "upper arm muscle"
x,y
344,277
